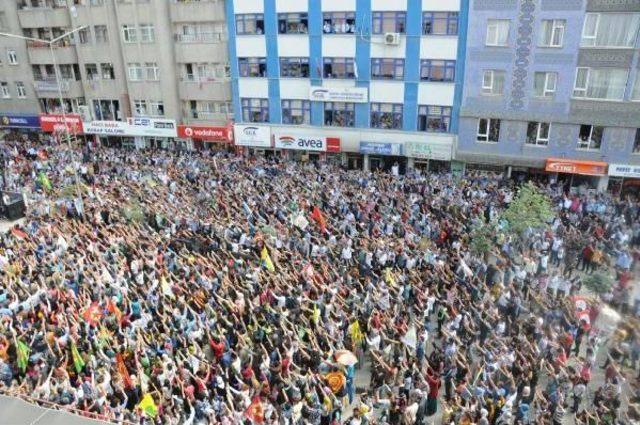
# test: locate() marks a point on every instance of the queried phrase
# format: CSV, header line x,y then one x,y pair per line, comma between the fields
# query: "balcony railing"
x,y
43,4
51,85
205,37
42,44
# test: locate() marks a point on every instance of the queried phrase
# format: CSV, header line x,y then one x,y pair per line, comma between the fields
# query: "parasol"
x,y
345,357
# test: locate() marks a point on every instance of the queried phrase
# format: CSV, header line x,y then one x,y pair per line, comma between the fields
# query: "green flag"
x,y
44,181
23,354
78,362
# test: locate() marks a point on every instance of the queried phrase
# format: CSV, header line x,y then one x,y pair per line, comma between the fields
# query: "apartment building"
x,y
378,81
552,87
156,59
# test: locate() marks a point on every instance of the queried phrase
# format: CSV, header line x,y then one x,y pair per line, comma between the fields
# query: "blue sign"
x,y
20,121
377,148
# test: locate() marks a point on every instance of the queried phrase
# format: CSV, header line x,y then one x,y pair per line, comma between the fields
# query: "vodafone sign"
x,y
219,134
54,123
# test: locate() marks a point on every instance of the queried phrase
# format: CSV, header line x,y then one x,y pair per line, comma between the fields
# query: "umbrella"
x,y
345,357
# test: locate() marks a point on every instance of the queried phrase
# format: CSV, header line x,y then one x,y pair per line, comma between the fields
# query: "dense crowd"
x,y
193,288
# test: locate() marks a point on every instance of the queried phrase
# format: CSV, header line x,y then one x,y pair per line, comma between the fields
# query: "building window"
x,y
384,22
339,114
590,137
252,67
339,23
106,109
101,33
636,142
538,133
610,29
151,71
84,36
147,33
4,87
440,23
338,68
156,109
635,94
91,69
140,107
294,67
21,90
387,69
493,82
255,110
386,116
129,33
544,84
434,118
250,23
488,130
497,32
296,112
600,83
12,57
437,70
107,71
135,72
552,32
293,23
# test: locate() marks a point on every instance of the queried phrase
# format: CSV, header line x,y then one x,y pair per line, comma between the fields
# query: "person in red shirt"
x,y
434,382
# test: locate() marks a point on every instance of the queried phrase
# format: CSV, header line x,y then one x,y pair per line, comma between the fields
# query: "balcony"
x,y
205,37
51,14
48,87
218,89
206,117
39,53
196,11
201,53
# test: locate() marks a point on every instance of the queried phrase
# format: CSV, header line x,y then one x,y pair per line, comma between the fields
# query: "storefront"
x,y
380,156
306,145
62,125
205,137
624,180
253,139
430,155
135,132
20,126
574,174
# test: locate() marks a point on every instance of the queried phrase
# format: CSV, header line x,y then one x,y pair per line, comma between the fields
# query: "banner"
x,y
427,150
107,128
624,170
339,94
376,148
54,123
134,127
305,141
20,121
252,135
218,134
589,168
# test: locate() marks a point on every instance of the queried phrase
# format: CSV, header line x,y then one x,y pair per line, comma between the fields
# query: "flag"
x,y
18,233
356,334
319,218
266,260
123,371
336,381
44,181
410,339
112,308
23,354
255,411
78,361
148,406
316,315
92,314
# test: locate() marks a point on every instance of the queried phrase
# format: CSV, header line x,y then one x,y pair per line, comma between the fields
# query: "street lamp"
x,y
50,43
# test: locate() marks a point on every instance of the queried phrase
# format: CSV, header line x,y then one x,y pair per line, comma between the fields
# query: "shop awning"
x,y
570,166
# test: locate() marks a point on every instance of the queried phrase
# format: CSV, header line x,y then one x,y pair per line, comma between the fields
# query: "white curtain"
x,y
502,32
617,29
545,32
607,83
498,82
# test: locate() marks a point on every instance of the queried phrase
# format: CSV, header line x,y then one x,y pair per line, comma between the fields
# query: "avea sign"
x,y
301,143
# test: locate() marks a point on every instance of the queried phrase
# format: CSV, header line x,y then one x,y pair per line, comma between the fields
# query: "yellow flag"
x,y
316,314
356,334
148,406
266,260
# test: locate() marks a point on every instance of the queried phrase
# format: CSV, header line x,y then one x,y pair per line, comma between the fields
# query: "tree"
x,y
600,283
530,209
482,236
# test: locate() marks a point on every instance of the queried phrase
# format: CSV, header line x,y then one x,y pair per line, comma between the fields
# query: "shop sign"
x,y
220,134
304,141
252,135
107,128
152,127
624,170
20,121
424,150
55,123
377,148
589,168
339,94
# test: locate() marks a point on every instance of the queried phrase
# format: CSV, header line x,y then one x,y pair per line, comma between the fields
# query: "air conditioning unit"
x,y
392,38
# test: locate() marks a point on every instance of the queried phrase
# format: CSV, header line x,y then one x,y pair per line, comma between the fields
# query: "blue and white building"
x,y
378,80
553,87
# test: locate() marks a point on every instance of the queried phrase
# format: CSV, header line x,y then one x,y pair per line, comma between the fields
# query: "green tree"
x,y
482,239
530,209
599,282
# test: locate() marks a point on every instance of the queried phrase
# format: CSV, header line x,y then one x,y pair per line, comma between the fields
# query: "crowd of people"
x,y
200,288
